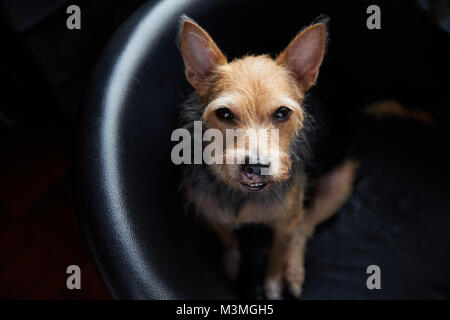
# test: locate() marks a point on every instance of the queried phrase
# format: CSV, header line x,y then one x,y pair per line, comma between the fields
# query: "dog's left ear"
x,y
304,54
200,54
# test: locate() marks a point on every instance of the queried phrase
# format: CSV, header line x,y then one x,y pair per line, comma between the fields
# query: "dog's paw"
x,y
231,263
295,275
273,287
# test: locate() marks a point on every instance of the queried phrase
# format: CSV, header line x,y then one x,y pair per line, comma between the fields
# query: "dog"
x,y
255,92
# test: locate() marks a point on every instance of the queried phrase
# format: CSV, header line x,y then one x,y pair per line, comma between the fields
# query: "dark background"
x,y
45,70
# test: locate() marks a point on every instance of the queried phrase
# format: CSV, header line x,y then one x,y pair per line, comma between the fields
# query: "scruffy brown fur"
x,y
392,108
253,88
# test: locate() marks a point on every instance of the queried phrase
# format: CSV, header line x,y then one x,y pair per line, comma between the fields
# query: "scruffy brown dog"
x,y
260,92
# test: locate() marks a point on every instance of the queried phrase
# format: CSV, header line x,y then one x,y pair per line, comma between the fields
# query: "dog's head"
x,y
257,97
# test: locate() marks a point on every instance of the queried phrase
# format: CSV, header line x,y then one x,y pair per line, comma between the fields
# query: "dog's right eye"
x,y
282,114
224,114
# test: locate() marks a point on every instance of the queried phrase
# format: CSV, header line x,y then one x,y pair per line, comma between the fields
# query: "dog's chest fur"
x,y
233,207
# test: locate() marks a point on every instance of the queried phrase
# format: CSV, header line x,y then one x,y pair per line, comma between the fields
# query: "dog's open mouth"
x,y
254,186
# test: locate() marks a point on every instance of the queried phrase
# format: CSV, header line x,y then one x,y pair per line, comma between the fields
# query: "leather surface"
x,y
145,247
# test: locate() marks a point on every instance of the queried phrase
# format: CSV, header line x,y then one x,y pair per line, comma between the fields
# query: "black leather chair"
x,y
144,245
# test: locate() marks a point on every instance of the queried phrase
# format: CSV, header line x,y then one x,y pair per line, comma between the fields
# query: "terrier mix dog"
x,y
257,92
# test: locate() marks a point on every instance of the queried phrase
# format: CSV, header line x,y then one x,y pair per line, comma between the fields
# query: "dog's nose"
x,y
251,170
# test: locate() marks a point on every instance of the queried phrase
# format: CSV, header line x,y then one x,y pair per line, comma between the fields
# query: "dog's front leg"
x,y
232,256
282,241
295,260
333,189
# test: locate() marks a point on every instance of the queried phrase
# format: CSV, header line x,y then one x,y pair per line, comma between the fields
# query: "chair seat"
x,y
130,208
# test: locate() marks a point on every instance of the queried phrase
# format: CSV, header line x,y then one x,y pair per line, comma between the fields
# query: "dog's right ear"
x,y
200,54
304,54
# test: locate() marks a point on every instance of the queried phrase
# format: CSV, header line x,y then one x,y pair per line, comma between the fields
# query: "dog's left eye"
x,y
224,114
282,114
